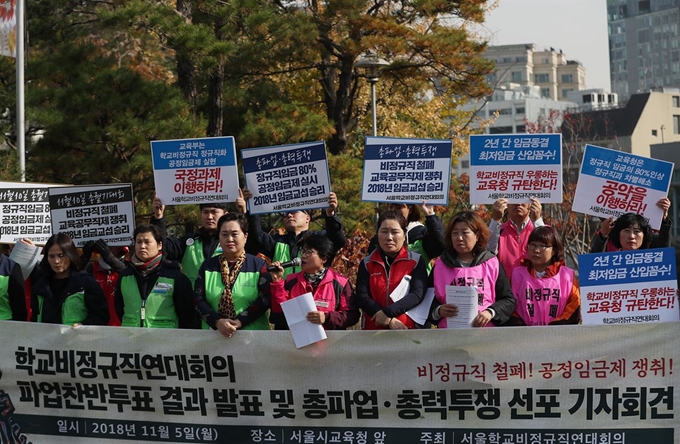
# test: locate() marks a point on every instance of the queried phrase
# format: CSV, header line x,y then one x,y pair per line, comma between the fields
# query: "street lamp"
x,y
372,65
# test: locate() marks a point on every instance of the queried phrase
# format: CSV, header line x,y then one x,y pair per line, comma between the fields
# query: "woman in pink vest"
x,y
546,290
383,270
467,262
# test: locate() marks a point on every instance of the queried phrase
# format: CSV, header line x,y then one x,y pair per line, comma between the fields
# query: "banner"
x,y
515,167
195,171
566,385
612,183
8,32
624,287
407,170
287,177
96,212
25,212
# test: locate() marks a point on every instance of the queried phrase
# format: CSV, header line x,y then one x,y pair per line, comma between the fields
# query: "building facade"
x,y
644,45
548,69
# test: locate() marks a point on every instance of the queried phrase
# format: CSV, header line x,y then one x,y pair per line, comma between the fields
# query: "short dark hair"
x,y
476,224
238,217
549,236
148,228
392,215
322,245
219,205
626,221
67,247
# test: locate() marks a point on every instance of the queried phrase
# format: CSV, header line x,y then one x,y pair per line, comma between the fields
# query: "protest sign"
x,y
406,170
612,183
195,171
94,212
287,177
515,167
25,212
629,287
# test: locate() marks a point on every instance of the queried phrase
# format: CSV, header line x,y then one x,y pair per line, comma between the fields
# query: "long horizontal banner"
x,y
562,385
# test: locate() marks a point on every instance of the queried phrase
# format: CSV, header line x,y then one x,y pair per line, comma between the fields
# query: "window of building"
x,y
505,111
521,128
676,101
519,110
566,91
507,59
653,133
465,164
500,130
587,98
676,124
516,76
567,78
545,93
643,6
542,78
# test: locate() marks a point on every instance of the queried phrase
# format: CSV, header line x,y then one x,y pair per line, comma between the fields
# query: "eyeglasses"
x,y
538,247
308,253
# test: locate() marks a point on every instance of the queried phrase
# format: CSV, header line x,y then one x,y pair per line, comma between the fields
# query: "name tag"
x,y
162,288
321,304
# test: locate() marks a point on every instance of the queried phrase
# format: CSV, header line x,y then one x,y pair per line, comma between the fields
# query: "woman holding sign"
x,y
333,294
547,292
64,294
391,280
467,263
232,289
620,234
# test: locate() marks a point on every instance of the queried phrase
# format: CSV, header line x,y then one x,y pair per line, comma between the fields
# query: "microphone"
x,y
295,262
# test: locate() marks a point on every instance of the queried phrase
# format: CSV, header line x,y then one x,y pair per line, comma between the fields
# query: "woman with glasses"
x,y
467,262
332,292
547,292
386,268
232,289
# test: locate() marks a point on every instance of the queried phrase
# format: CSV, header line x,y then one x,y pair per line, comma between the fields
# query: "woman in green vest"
x,y
152,292
232,289
63,294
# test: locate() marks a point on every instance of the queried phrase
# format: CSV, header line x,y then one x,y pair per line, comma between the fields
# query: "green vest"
x,y
417,246
193,259
244,292
5,308
282,254
159,309
73,310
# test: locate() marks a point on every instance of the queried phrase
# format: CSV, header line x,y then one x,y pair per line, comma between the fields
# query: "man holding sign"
x,y
284,247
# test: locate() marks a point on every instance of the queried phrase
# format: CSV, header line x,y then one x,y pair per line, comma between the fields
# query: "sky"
x,y
577,27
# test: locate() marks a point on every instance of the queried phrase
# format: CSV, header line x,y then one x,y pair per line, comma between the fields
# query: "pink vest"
x,y
482,276
541,300
512,247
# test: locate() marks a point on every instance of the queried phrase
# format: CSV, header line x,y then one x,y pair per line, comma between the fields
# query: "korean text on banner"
x,y
406,170
612,183
195,171
287,177
583,384
625,287
515,167
94,212
25,211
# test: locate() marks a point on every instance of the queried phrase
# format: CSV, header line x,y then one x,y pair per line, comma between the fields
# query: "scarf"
x,y
315,278
146,268
226,307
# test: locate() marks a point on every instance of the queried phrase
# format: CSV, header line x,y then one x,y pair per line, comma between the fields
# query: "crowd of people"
x,y
217,278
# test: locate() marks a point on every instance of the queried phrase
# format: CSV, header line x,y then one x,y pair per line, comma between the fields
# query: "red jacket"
x,y
374,285
334,296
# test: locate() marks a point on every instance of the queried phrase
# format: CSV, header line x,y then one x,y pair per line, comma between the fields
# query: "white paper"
x,y
304,332
402,289
420,312
27,256
466,299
